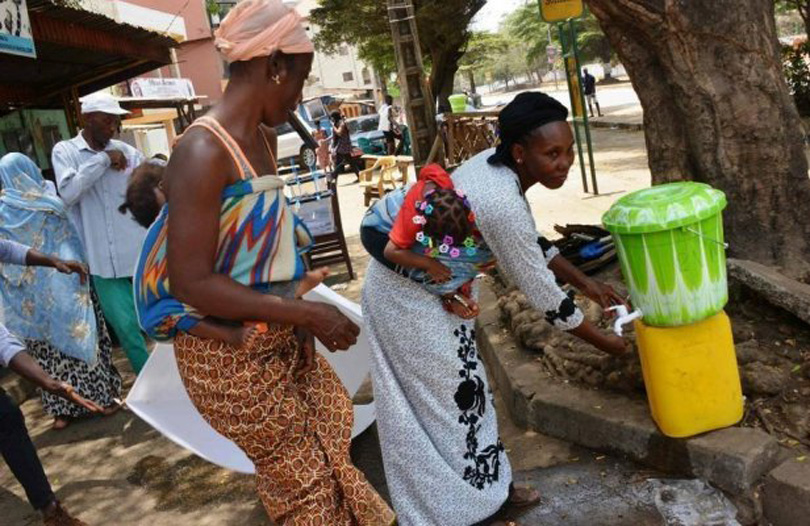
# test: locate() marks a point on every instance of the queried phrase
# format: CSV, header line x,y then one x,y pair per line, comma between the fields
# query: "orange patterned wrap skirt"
x,y
296,430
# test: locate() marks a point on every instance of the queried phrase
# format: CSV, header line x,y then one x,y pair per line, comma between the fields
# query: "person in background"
x,y
15,442
342,146
92,171
390,128
58,318
589,85
324,159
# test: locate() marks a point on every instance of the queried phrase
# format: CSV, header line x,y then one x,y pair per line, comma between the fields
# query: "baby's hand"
x,y
71,267
438,273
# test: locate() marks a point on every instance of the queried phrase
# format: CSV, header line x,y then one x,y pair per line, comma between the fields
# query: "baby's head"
x,y
449,216
145,197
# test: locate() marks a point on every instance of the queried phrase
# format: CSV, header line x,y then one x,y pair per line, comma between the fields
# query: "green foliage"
x,y
442,24
526,26
802,7
797,74
213,7
483,49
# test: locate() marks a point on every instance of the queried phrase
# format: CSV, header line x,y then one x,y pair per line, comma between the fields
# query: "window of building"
x,y
217,10
348,76
366,76
344,51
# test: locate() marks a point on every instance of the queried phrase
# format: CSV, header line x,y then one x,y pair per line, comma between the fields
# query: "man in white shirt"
x,y
92,171
389,126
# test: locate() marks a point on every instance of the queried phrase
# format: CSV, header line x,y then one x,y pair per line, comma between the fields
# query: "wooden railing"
x,y
464,135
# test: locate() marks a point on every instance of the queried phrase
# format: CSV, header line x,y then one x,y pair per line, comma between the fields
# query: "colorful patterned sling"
x,y
260,242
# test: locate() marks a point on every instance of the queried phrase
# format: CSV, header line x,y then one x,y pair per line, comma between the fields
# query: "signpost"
x,y
554,11
15,31
562,13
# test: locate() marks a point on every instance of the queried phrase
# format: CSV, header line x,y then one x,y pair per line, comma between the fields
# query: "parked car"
x,y
368,138
295,143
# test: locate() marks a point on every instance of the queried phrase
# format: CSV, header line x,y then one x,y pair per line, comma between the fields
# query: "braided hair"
x,y
450,216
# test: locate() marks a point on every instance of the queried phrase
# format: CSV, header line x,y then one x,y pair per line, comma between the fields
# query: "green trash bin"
x,y
458,103
670,244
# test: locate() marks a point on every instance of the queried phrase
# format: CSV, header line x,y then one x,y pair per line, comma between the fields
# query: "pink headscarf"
x,y
257,28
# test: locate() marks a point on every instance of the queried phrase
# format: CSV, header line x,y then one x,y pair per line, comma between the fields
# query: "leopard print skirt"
x,y
295,429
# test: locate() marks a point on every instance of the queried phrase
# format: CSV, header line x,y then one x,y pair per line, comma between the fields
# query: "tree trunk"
x,y
608,69
471,78
443,73
717,110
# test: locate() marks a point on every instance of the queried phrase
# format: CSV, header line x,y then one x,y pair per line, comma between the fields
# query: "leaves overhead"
x,y
443,28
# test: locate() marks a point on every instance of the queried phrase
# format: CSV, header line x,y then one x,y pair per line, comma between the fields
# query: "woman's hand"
x,y
331,327
67,392
438,272
613,345
71,267
306,344
602,293
607,342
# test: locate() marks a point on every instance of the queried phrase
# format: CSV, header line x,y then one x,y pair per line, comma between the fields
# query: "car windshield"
x,y
363,125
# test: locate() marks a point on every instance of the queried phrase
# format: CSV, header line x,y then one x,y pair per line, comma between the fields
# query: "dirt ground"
x,y
118,470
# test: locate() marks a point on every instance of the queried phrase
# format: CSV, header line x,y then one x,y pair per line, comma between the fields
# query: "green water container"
x,y
458,103
670,244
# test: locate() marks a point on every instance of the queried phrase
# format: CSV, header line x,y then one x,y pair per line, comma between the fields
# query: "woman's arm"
x,y
599,292
509,231
195,177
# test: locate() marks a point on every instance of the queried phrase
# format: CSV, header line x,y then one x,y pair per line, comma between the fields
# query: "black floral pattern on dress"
x,y
545,245
471,399
566,309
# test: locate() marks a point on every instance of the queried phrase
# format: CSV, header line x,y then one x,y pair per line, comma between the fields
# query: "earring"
x,y
276,79
520,161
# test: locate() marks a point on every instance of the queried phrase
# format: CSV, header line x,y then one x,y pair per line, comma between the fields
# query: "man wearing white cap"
x,y
92,172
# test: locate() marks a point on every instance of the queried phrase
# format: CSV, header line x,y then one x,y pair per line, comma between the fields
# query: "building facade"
x,y
341,73
186,21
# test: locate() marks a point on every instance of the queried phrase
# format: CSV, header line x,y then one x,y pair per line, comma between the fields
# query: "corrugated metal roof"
x,y
77,48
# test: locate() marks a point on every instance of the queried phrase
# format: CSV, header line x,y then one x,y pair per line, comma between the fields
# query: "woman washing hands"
x,y
431,395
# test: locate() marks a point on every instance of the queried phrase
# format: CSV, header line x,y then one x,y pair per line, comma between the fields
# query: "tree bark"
x,y
443,73
471,78
717,110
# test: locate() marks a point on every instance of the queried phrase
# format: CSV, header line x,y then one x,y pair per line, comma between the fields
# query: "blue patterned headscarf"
x,y
40,303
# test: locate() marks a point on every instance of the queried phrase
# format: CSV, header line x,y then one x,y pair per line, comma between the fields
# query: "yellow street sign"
x,y
559,10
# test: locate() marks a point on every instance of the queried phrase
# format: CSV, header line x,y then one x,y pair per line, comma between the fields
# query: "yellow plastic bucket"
x,y
691,376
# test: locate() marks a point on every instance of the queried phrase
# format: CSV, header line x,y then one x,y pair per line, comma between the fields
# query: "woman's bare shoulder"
x,y
198,155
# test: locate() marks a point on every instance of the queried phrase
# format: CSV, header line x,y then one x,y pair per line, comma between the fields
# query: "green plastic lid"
x,y
663,207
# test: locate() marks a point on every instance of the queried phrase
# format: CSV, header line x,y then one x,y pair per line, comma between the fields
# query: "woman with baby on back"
x,y
230,246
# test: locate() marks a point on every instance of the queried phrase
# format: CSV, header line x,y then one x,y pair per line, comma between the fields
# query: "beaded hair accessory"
x,y
446,244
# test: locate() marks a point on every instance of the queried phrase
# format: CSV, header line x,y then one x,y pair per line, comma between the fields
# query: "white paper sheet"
x,y
159,398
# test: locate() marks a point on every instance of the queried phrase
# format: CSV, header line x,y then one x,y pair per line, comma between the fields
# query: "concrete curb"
x,y
779,290
786,494
631,126
732,459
